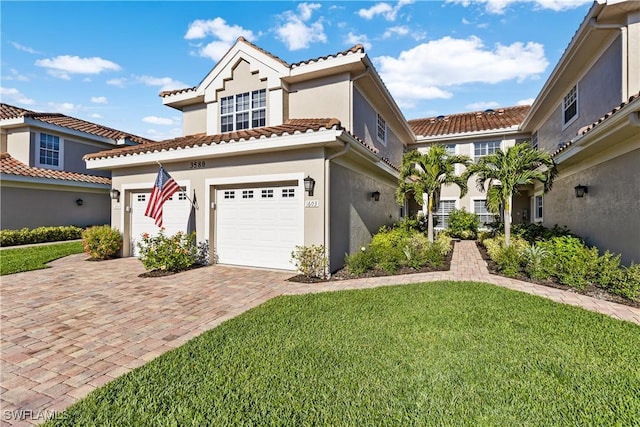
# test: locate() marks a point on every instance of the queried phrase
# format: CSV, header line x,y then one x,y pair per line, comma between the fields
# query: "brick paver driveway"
x,y
76,326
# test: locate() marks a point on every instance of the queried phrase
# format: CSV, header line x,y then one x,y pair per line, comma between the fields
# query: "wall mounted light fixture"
x,y
79,202
375,196
309,184
115,194
581,190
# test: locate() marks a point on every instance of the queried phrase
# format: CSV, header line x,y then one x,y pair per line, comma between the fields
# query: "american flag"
x,y
164,188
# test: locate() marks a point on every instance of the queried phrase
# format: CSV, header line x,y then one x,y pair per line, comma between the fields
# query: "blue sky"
x,y
106,62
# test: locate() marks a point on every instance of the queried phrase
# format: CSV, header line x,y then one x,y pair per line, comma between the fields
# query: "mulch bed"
x,y
163,273
343,273
591,291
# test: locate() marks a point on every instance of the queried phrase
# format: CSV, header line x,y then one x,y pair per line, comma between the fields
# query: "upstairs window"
x,y
570,105
481,149
381,130
243,111
50,151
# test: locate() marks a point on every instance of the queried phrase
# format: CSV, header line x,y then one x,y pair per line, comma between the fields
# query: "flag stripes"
x,y
163,189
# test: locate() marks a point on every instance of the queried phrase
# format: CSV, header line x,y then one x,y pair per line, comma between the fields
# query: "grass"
x,y
35,257
443,353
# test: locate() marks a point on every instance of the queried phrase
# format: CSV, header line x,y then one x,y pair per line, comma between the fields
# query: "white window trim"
x,y
60,152
456,206
534,208
473,209
562,109
234,113
473,148
382,141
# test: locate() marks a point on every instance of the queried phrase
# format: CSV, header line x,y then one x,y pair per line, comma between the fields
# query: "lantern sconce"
x,y
79,202
581,190
375,196
115,194
309,184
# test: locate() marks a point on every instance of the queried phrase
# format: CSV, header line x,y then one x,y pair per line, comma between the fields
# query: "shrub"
x,y
388,246
101,242
627,283
202,255
534,257
39,235
417,251
174,253
359,262
419,223
509,260
443,243
571,261
609,270
311,261
463,224
535,232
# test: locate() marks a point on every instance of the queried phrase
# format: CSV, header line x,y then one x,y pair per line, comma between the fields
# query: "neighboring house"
x,y
474,134
43,178
588,115
255,130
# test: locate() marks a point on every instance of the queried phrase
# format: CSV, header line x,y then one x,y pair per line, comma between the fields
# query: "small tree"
x,y
425,174
502,173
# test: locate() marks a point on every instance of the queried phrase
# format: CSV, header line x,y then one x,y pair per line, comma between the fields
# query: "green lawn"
x,y
445,354
35,257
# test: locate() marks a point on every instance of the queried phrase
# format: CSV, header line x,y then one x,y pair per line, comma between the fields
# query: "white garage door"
x,y
174,217
259,226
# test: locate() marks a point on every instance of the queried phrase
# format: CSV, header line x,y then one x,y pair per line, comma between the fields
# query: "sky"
x,y
107,62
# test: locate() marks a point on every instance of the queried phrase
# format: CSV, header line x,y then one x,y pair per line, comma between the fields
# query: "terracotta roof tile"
x,y
354,49
177,91
11,166
11,112
586,129
283,62
470,122
291,127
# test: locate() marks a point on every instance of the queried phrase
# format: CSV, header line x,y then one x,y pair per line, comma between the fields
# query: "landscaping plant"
x,y
101,242
168,253
571,261
311,261
39,235
463,224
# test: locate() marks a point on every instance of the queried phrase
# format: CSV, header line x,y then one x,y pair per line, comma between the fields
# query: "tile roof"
x,y
291,127
355,49
476,121
586,129
11,112
11,166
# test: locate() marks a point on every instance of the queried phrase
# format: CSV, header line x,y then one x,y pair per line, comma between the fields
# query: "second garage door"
x,y
259,226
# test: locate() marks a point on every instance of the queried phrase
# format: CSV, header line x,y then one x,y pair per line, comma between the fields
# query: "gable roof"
x,y
291,127
477,121
12,112
11,166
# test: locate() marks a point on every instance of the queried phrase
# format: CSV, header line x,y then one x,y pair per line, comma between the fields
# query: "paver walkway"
x,y
76,326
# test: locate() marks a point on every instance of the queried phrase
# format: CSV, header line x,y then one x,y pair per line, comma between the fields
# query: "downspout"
x,y
327,182
623,32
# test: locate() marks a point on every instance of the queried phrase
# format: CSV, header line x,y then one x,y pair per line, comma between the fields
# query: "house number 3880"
x,y
198,165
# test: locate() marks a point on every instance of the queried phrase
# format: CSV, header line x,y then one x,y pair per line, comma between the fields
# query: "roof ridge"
x,y
266,52
353,49
471,113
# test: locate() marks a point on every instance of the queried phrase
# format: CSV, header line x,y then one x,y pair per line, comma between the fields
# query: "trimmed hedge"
x,y
27,236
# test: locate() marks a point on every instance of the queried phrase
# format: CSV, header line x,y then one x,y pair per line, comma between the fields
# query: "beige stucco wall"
x,y
609,215
194,119
355,217
324,97
28,206
18,144
303,163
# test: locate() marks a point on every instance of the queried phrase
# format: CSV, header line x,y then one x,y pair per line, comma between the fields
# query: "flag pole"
x,y
186,195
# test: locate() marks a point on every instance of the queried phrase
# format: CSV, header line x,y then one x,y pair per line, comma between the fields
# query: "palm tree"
x,y
424,174
502,173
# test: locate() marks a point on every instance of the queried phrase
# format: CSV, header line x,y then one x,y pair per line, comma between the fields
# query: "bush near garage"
x,y
101,242
168,253
463,224
26,236
310,261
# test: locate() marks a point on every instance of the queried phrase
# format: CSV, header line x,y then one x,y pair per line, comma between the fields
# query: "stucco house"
x,y
44,180
588,115
255,131
474,134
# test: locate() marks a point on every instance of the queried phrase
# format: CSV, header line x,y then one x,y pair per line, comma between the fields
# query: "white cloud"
x,y
99,100
353,39
224,34
481,105
165,83
24,48
63,107
296,32
15,95
498,7
528,101
400,30
160,135
157,120
15,75
390,13
120,82
62,66
431,69
96,116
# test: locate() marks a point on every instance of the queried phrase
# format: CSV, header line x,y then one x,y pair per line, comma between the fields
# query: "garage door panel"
x,y
258,226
